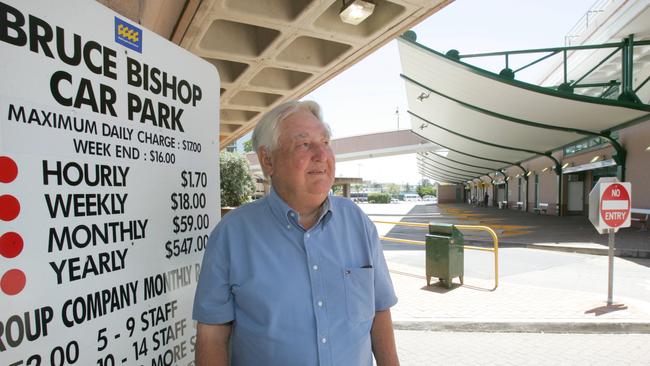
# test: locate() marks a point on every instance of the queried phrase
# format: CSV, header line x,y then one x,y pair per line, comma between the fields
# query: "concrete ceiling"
x,y
269,51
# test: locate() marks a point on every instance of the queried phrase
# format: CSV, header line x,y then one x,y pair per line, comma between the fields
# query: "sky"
x,y
364,98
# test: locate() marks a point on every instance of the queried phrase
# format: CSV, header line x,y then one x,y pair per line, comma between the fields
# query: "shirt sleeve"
x,y
213,300
385,296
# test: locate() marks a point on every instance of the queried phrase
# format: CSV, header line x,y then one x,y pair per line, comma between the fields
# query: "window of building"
x,y
588,143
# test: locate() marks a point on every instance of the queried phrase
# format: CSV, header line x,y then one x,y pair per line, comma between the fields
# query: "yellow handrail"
x,y
405,241
414,224
494,249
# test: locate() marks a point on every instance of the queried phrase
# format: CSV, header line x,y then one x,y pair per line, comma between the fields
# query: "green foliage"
x,y
337,190
237,184
248,146
426,191
393,190
378,198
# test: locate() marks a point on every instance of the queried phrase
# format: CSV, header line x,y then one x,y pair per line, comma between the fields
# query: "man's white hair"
x,y
266,132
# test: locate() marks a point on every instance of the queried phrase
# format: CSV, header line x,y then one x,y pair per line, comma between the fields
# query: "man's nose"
x,y
319,151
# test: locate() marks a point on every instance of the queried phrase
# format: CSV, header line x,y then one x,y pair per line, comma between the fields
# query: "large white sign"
x,y
108,187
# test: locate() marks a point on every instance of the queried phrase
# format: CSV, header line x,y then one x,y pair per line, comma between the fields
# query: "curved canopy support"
x,y
433,167
426,157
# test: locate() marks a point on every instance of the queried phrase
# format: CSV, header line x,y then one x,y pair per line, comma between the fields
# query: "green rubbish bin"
x,y
444,253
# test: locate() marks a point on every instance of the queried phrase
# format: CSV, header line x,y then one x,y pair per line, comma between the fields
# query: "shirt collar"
x,y
287,215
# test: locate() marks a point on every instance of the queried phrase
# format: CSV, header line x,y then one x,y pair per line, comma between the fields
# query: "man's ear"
x,y
264,156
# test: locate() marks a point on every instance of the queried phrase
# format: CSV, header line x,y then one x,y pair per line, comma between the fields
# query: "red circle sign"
x,y
615,205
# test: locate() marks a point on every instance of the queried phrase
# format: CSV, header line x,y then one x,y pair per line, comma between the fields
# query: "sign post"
x,y
609,210
610,267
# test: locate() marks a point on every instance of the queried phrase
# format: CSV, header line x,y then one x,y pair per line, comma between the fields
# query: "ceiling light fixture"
x,y
356,11
566,165
595,159
545,169
529,173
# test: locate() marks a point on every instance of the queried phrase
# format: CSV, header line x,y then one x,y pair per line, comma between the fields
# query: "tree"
x,y
237,184
378,198
426,191
248,146
354,187
337,190
393,190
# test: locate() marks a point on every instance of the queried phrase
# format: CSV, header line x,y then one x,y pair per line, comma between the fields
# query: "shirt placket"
x,y
319,301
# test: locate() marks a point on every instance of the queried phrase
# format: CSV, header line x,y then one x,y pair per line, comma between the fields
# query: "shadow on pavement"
x,y
602,310
438,288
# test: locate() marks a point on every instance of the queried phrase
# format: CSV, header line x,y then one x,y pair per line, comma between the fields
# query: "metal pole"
x,y
564,65
610,277
559,180
397,114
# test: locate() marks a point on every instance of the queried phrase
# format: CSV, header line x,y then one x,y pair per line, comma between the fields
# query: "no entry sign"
x,y
609,210
609,204
615,205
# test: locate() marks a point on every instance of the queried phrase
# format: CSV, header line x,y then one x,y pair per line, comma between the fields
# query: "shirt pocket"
x,y
360,293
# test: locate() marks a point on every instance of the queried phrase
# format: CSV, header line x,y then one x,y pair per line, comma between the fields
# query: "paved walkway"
x,y
511,307
527,320
424,348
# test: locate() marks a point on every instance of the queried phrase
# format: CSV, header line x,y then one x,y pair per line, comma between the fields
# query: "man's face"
x,y
303,162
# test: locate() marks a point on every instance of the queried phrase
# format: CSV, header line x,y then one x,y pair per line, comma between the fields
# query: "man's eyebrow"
x,y
306,135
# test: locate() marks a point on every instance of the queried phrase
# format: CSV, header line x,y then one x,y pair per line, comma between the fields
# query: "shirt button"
x,y
323,340
288,226
308,235
320,303
315,267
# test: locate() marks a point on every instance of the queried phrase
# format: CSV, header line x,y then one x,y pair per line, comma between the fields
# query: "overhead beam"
x,y
432,158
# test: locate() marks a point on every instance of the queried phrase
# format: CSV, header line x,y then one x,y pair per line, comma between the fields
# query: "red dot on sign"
x,y
13,281
9,207
11,244
8,169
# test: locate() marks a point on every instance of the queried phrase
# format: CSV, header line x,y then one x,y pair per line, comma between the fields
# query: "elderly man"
x,y
298,277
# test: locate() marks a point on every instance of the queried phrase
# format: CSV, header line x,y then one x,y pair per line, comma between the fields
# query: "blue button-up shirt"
x,y
297,297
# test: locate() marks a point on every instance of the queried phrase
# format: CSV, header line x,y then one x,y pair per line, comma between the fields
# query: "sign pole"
x,y
610,282
609,210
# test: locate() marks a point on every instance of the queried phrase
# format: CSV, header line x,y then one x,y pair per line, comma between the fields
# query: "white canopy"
x,y
484,122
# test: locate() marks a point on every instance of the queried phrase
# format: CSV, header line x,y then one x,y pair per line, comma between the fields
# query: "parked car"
x,y
412,197
429,198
